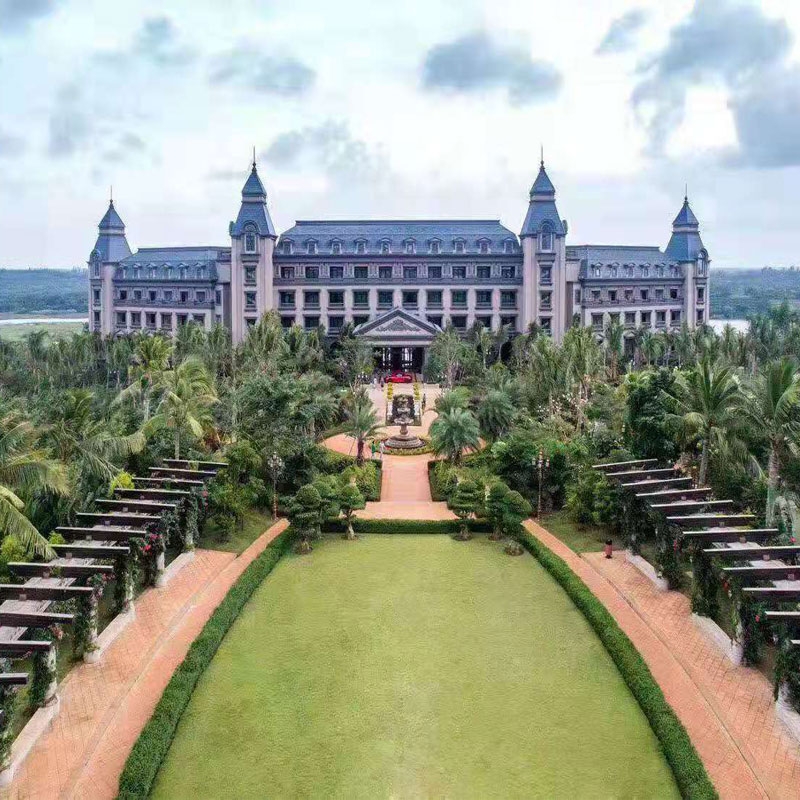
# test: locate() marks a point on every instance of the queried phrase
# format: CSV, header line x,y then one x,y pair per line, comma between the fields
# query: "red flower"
x,y
147,548
758,617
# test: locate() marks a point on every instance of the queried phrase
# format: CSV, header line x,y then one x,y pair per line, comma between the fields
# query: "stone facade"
x,y
399,281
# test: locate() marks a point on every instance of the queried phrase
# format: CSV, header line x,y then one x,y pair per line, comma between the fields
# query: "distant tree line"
x,y
740,293
29,291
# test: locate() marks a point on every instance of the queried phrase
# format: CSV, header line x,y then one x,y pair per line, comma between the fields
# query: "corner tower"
x,y
252,246
543,239
109,249
686,248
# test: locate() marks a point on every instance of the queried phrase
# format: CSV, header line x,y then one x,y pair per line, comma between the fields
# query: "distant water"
x,y
738,324
40,320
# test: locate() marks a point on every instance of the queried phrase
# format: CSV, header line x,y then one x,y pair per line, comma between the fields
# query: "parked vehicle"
x,y
401,377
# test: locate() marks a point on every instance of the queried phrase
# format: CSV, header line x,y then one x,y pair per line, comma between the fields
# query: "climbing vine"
x,y
748,621
704,585
7,697
787,670
126,573
668,551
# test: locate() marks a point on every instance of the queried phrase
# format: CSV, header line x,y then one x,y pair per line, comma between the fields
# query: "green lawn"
x,y
412,666
255,523
57,330
580,538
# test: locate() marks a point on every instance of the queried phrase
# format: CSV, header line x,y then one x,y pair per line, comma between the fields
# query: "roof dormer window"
x,y
311,247
459,246
546,238
436,247
508,246
361,247
483,247
386,247
336,248
286,247
409,247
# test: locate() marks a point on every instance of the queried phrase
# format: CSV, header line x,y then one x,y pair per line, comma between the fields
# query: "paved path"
x,y
714,700
104,706
739,697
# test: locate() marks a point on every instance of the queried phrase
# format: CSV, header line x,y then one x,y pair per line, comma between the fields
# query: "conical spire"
x,y
253,189
111,242
111,220
685,216
253,209
543,186
542,206
685,243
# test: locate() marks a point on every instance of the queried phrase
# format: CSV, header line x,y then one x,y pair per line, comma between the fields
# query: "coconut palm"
x,y
584,360
24,470
651,347
707,404
613,341
495,414
185,403
361,423
151,357
453,432
772,411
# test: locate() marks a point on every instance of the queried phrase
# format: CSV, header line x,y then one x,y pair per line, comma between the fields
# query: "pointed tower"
x,y
543,238
109,249
252,246
686,249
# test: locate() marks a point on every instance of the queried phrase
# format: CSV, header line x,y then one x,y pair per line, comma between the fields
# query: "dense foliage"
x,y
31,291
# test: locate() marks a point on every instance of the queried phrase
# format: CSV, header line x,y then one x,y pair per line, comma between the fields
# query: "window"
x,y
335,323
546,238
137,294
182,319
458,246
385,299
385,273
459,323
361,273
218,298
613,272
661,317
287,322
166,321
434,298
409,273
659,272
287,273
96,270
577,297
458,298
700,316
410,248
249,301
644,294
312,273
546,276
121,320
614,318
546,299
483,272
250,275
702,266
701,294
483,248
335,298
659,294
250,322
410,299
508,299
310,323
595,295
184,296
311,299
628,295
544,324
597,322
673,271
200,297
675,316
483,297
386,248
218,319
152,295
336,272
596,272
508,271
628,271
434,273
435,321
645,272
360,299
96,318
646,318
459,272
286,299
249,243
182,273
436,248
630,317
336,248
508,246
509,322
361,247
311,248
485,322
360,319
136,319
168,295
673,294
612,295
150,319
286,247
96,296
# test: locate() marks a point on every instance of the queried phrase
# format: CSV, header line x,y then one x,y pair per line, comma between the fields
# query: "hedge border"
x,y
152,746
687,767
407,526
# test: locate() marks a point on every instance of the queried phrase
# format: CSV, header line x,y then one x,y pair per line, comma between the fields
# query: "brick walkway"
x,y
714,700
740,698
104,706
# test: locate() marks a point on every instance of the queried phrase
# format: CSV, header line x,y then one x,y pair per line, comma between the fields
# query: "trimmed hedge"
x,y
688,769
438,526
154,741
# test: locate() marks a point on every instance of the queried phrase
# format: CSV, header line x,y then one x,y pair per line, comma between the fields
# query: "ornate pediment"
x,y
397,323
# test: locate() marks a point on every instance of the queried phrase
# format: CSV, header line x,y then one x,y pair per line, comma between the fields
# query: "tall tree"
x,y
151,358
453,432
361,423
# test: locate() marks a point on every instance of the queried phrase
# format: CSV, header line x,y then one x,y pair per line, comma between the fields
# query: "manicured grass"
x,y
412,666
255,523
580,538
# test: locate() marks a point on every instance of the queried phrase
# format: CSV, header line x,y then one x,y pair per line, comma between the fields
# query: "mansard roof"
x,y
616,254
162,259
111,220
397,231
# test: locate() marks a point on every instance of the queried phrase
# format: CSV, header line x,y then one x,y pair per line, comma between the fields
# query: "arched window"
x,y
546,237
702,264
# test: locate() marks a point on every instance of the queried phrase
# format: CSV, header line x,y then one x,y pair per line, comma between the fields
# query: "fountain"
x,y
404,440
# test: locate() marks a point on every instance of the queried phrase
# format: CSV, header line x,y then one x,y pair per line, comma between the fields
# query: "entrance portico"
x,y
400,339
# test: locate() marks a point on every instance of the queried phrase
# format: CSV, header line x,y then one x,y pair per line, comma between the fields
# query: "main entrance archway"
x,y
399,358
400,339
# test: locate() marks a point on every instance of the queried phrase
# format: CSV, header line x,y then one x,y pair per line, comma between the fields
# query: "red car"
x,y
400,377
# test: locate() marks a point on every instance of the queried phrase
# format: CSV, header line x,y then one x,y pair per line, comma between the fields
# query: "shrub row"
x,y
446,526
154,741
688,769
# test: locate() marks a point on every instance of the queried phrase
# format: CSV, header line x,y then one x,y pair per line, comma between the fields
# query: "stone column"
x,y
160,565
90,654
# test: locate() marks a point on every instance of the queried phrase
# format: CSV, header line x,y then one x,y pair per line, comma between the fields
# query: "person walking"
x,y
381,450
424,402
372,449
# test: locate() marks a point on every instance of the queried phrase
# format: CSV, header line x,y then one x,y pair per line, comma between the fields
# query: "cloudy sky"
x,y
418,108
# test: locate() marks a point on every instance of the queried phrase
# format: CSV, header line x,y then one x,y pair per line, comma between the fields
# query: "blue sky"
x,y
415,109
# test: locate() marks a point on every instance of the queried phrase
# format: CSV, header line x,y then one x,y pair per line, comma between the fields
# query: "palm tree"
x,y
185,404
24,470
650,347
613,345
453,432
495,414
708,404
583,361
361,423
772,411
150,363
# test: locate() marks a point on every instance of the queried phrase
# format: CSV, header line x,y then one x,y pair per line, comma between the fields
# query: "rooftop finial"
x,y
254,157
111,195
541,155
686,192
